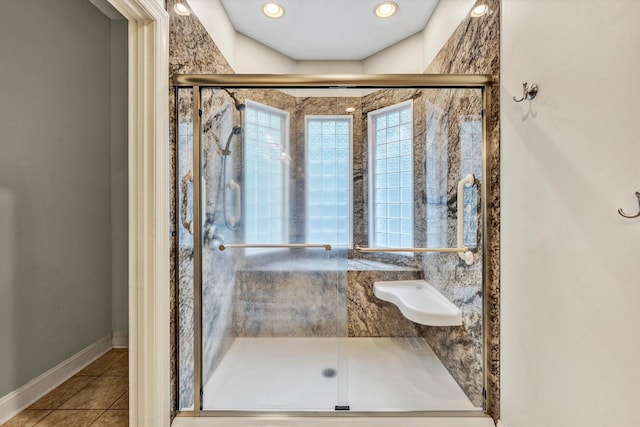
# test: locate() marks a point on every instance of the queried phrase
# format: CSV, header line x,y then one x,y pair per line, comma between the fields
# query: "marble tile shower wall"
x,y
185,248
191,50
460,348
474,48
289,303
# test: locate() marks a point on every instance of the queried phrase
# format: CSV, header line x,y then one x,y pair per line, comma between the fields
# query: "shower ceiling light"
x,y
181,9
273,10
350,109
386,9
479,10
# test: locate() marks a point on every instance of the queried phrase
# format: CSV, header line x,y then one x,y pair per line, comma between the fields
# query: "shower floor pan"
x,y
301,374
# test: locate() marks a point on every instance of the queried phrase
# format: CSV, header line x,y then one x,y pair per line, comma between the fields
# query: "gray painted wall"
x,y
119,158
55,185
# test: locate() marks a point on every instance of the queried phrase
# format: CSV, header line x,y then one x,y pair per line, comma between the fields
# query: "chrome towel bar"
x,y
274,245
361,249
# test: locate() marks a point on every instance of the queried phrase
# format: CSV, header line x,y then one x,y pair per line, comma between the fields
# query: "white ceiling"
x,y
328,29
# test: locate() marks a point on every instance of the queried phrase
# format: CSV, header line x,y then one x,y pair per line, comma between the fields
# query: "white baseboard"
x,y
17,400
120,340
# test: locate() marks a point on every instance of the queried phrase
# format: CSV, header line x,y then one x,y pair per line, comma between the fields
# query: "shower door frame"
x,y
334,81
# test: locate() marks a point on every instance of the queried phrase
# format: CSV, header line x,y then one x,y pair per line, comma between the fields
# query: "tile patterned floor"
x,y
96,396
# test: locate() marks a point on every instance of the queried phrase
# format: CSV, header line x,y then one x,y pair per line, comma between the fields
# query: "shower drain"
x,y
329,373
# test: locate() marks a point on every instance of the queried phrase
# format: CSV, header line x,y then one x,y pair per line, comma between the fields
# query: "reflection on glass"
x,y
288,329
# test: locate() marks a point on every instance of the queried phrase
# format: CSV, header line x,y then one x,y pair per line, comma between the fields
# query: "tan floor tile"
x,y
122,403
101,393
62,393
72,418
112,418
104,362
119,369
27,418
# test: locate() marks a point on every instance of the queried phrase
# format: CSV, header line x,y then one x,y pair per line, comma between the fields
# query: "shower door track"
x,y
329,81
330,414
342,81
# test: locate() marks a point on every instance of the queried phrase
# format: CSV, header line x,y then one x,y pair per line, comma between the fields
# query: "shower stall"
x,y
331,244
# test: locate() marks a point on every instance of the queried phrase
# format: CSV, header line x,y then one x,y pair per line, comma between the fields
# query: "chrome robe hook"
x,y
528,92
626,215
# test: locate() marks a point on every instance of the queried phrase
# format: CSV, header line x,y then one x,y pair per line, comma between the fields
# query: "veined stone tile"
x,y
62,393
70,418
99,394
112,418
27,418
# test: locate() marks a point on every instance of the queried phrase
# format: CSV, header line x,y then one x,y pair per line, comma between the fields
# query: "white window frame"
x,y
350,175
372,170
285,175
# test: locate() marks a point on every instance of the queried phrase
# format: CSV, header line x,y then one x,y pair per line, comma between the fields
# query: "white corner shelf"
x,y
419,302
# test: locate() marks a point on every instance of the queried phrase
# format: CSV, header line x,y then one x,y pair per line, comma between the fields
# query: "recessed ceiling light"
x,y
273,10
479,10
350,109
181,9
386,9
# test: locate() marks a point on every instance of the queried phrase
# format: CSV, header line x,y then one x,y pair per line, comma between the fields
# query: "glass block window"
x,y
437,141
328,148
471,162
265,170
391,176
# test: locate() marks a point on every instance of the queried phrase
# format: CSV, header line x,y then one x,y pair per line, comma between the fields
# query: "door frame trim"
x,y
148,211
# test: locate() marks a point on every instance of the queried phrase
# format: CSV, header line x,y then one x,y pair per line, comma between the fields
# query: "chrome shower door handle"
x,y
188,178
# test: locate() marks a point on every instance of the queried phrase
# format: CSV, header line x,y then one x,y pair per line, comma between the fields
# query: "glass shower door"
x,y
273,300
280,177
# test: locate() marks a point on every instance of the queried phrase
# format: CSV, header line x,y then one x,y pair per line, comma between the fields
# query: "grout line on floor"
x,y
98,417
